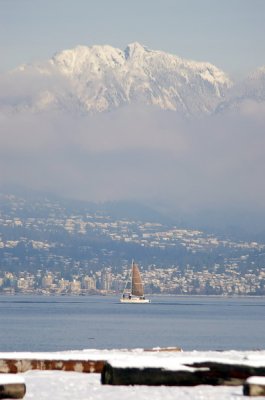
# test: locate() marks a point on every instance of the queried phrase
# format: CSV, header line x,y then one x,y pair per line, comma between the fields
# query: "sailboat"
x,y
135,294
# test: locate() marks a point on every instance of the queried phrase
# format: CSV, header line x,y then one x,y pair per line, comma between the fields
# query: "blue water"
x,y
38,323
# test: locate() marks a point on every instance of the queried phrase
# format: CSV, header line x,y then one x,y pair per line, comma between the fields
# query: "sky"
x,y
228,33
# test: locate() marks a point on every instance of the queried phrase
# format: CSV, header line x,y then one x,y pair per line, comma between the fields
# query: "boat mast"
x,y
132,276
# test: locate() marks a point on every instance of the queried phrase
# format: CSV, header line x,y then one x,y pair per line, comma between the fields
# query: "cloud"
x,y
24,88
139,154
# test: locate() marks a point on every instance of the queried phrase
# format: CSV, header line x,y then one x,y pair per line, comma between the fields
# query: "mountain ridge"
x,y
103,78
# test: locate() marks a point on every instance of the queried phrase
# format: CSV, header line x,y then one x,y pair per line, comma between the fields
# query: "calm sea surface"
x,y
33,323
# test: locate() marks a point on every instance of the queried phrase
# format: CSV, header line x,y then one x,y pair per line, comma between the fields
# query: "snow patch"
x,y
8,379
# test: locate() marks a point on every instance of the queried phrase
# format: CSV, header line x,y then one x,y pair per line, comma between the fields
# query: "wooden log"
x,y
22,365
12,391
17,365
151,376
12,387
164,349
254,386
229,374
207,373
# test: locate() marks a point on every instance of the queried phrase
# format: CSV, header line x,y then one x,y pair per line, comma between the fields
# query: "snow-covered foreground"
x,y
57,385
54,385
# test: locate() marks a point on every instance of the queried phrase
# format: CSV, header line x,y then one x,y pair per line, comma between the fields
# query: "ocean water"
x,y
53,323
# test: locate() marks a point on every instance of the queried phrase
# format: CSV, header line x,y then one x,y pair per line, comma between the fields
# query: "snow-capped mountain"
x,y
102,78
251,90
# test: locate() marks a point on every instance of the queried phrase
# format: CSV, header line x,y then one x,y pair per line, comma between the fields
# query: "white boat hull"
x,y
135,300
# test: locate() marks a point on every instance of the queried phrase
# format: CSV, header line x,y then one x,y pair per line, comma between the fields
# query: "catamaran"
x,y
135,294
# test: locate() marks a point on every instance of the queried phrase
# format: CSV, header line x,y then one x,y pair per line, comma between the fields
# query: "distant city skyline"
x,y
228,34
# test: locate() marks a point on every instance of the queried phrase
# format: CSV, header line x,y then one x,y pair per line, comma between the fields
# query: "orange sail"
x,y
137,286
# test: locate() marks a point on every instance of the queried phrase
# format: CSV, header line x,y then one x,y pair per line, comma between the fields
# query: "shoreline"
x,y
219,296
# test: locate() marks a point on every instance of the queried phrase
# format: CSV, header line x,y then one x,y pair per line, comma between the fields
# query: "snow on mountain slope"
x,y
102,78
246,95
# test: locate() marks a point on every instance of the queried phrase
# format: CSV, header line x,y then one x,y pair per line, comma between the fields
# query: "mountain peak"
x,y
134,48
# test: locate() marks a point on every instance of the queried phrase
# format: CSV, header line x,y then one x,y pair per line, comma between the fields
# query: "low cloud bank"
x,y
140,154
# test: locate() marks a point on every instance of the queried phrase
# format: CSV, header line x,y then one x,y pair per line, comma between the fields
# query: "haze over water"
x,y
35,323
